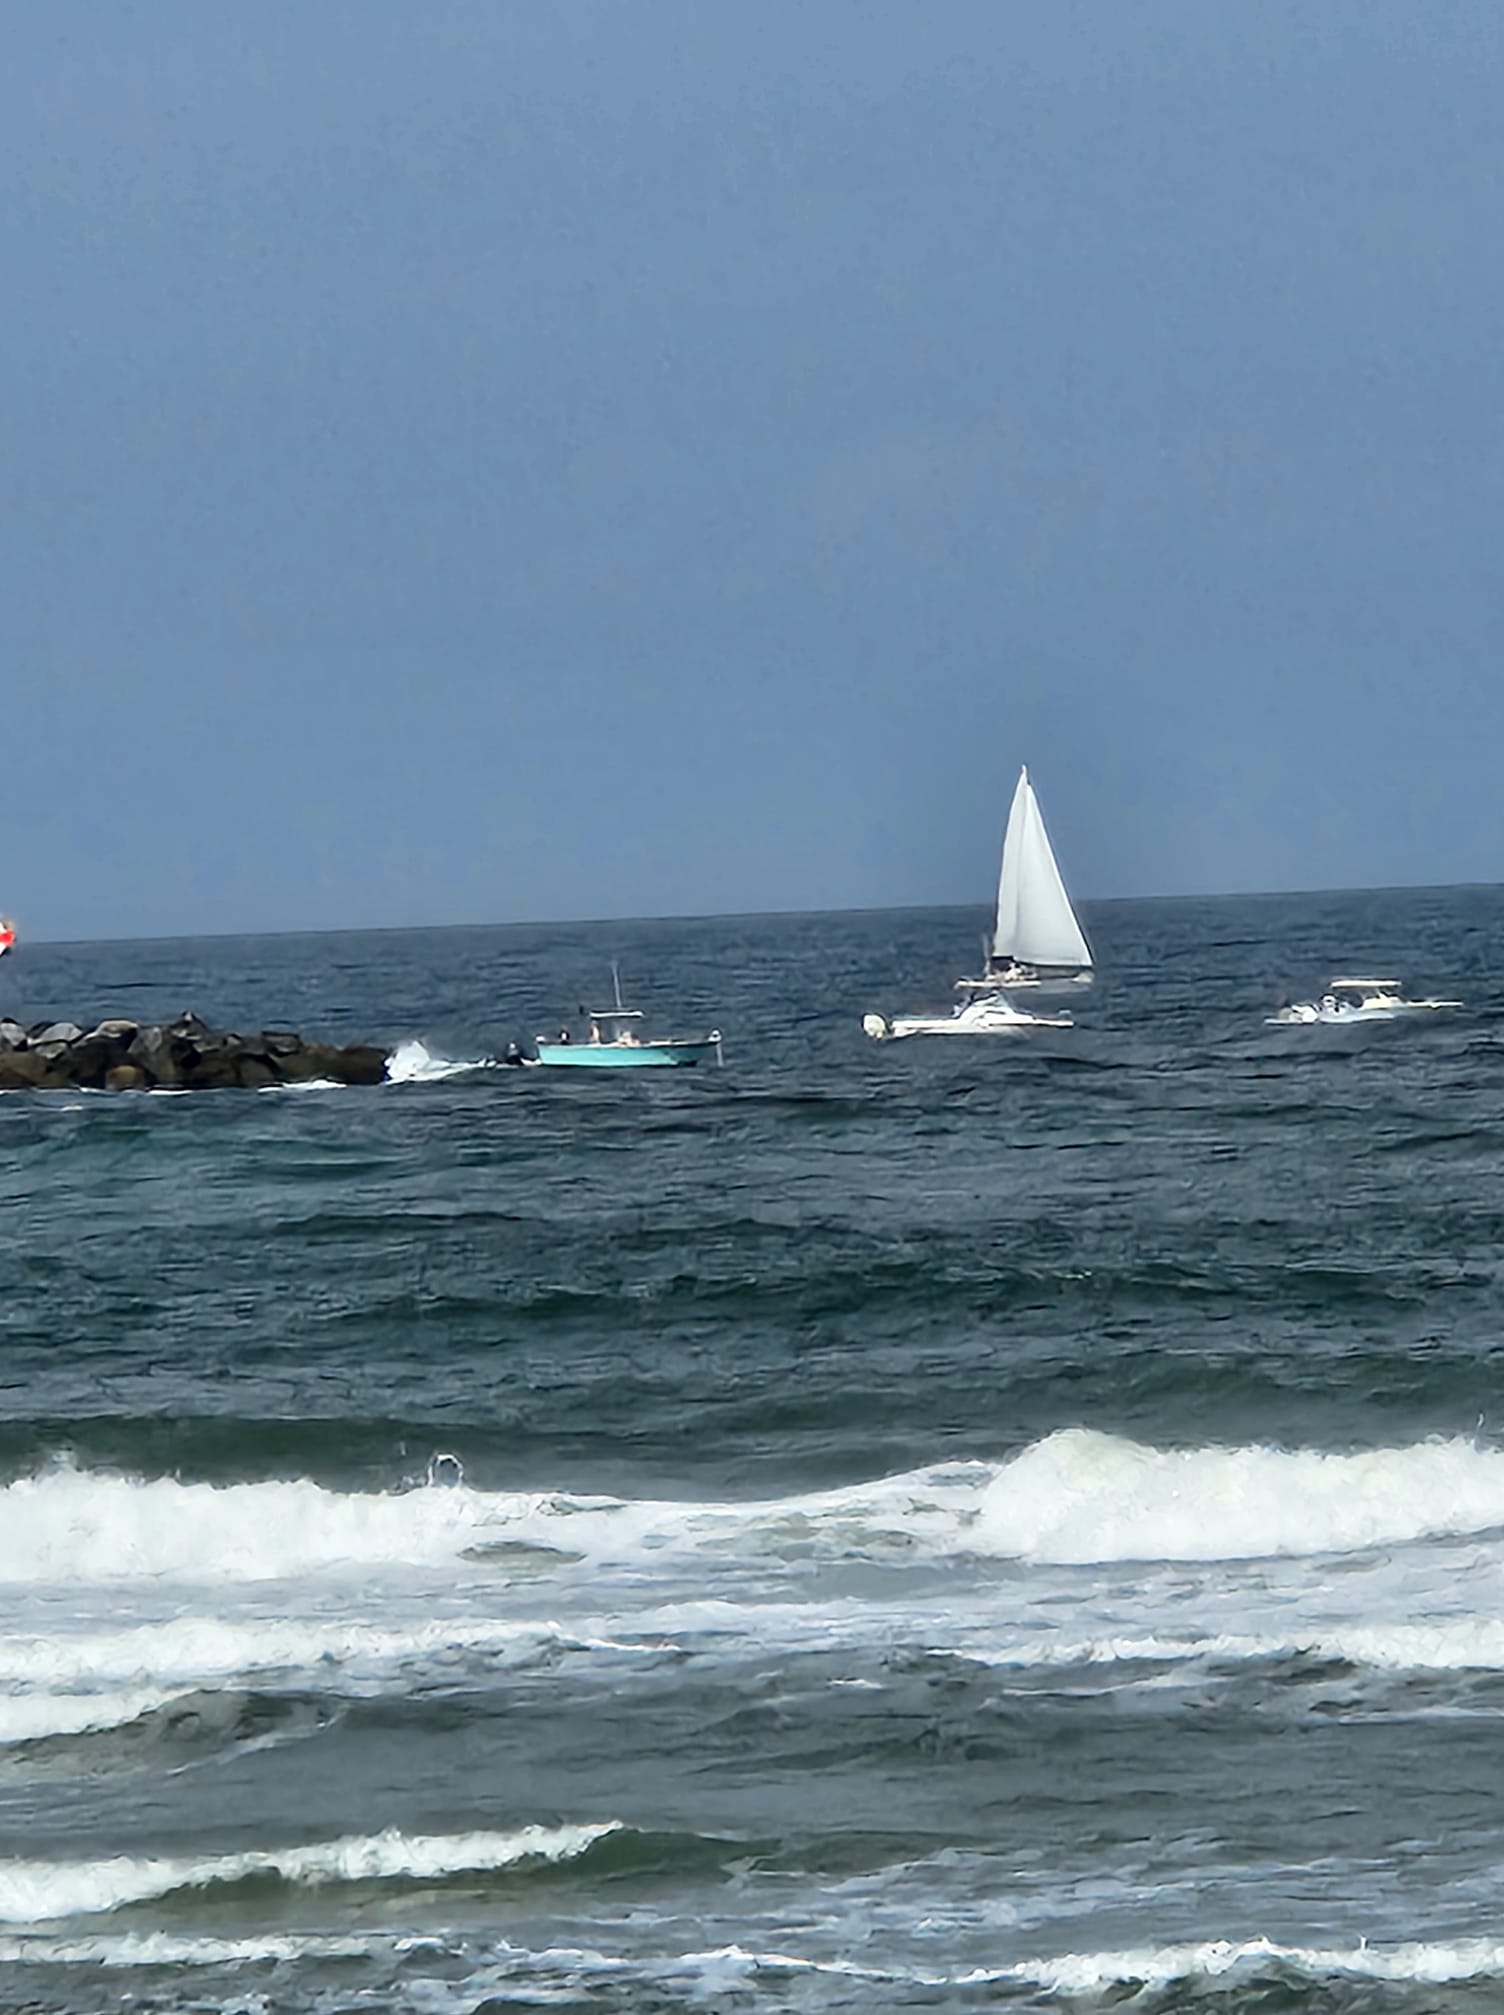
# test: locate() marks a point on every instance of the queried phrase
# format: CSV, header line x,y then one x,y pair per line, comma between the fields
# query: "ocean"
x,y
1009,1524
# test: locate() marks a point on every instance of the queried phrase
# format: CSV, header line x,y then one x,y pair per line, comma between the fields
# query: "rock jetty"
x,y
185,1054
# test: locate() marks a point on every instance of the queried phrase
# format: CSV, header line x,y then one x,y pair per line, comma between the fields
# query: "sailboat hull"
x,y
1034,979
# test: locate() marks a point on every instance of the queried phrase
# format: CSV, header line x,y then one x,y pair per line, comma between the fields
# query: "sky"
x,y
477,461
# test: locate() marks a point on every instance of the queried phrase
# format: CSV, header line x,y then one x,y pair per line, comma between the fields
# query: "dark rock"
x,y
211,1061
121,1030
152,1051
359,1063
302,1065
87,1061
90,1060
121,1055
56,1031
24,1070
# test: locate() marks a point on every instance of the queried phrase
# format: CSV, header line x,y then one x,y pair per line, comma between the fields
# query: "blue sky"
x,y
466,462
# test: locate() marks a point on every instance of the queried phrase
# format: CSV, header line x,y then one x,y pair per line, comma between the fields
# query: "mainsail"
x,y
1036,925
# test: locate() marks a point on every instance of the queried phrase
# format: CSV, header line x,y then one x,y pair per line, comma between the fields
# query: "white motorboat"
x,y
1349,999
989,1014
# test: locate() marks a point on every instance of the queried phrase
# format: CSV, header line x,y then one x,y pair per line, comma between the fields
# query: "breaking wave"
x,y
65,1685
1082,1497
1076,1498
40,1892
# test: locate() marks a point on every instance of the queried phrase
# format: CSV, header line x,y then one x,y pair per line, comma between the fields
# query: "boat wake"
x,y
413,1062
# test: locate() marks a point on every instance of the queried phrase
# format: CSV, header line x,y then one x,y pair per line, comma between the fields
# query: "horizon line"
x,y
741,916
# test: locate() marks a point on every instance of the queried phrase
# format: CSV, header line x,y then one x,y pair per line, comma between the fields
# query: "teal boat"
x,y
614,1042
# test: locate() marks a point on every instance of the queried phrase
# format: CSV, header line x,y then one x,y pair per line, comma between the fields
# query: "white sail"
x,y
1036,925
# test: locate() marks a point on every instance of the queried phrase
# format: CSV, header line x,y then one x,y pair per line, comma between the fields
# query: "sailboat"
x,y
1037,940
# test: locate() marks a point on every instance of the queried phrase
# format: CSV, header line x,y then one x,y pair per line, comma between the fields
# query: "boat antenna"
x,y
616,982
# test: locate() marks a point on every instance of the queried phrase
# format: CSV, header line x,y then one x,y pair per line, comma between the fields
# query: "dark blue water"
x,y
949,1524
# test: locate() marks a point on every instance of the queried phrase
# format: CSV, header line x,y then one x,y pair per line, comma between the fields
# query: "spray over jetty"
x,y
181,1055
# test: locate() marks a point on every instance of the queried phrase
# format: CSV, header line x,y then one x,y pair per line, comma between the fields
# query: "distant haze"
x,y
482,460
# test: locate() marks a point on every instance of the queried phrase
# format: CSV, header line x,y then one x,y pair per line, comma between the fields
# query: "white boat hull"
x,y
1350,1003
990,1016
1311,1014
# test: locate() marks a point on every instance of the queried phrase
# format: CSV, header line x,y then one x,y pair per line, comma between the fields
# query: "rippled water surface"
x,y
1009,1523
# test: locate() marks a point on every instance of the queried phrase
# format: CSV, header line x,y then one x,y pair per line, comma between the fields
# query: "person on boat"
x,y
564,1033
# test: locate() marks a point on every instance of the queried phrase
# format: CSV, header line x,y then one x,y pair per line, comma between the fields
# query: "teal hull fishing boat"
x,y
614,1043
626,1052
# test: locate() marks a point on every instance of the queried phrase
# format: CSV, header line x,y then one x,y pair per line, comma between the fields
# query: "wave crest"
x,y
40,1892
1076,1498
1081,1497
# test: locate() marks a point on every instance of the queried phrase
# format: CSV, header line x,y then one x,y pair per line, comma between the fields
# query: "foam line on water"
x,y
729,1968
194,1649
1090,1972
70,1684
726,1969
38,1892
175,1948
1464,1644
